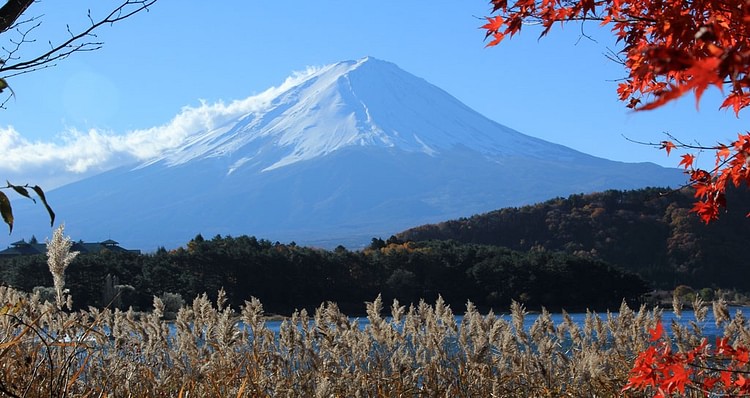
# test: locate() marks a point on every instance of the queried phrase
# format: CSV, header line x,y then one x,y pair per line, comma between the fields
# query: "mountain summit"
x,y
364,103
341,154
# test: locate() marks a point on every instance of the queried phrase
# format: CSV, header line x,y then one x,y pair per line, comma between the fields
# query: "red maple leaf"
x,y
656,332
722,153
498,37
687,161
678,379
493,24
667,146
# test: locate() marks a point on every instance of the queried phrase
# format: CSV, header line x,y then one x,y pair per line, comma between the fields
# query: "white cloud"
x,y
77,154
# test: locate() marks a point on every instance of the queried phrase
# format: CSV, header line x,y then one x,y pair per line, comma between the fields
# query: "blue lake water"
x,y
708,325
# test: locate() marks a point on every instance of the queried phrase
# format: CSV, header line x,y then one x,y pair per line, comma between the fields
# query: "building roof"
x,y
23,248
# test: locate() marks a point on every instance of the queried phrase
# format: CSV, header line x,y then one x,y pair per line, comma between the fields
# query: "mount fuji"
x,y
352,151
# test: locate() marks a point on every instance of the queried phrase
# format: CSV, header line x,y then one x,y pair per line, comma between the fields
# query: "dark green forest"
x,y
650,232
287,277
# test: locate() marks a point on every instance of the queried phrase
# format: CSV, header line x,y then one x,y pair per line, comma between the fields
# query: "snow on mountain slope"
x,y
368,102
344,153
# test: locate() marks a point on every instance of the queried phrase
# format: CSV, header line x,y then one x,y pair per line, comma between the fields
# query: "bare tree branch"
x,y
13,63
76,42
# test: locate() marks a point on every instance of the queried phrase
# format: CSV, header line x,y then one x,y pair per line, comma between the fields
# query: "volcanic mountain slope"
x,y
353,150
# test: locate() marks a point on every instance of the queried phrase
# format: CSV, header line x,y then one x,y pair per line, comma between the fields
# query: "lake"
x,y
708,325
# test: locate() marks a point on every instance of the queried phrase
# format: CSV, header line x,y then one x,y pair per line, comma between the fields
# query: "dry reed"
x,y
415,351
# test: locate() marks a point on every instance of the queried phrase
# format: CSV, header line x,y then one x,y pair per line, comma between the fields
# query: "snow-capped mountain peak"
x,y
367,102
334,155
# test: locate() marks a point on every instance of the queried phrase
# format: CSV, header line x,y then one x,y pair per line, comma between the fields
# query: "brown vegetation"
x,y
419,351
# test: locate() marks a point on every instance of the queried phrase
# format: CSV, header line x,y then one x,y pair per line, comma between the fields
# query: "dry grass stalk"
x,y
59,258
417,351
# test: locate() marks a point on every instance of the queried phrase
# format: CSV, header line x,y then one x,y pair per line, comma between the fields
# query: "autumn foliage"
x,y
712,370
669,48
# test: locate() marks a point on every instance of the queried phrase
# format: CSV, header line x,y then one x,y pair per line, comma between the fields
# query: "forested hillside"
x,y
650,231
287,277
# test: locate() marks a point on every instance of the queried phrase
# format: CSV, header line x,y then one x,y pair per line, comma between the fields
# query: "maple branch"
x,y
713,369
711,393
584,35
692,385
590,15
697,147
679,144
700,148
614,56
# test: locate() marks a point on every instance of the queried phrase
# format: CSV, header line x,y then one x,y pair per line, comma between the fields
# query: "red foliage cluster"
x,y
713,371
670,48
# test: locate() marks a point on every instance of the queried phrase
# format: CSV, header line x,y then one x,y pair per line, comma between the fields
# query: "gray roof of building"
x,y
23,248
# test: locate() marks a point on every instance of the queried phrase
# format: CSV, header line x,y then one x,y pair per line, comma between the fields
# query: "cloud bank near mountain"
x,y
75,154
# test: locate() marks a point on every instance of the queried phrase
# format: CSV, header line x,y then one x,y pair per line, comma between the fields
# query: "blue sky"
x,y
188,53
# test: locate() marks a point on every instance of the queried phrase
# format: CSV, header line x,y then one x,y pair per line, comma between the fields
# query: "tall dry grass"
x,y
416,351
212,350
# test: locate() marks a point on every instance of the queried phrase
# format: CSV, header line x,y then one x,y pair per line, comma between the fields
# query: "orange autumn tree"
x,y
669,48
